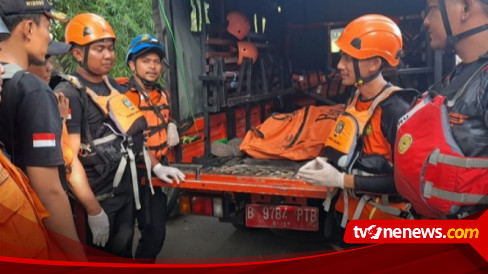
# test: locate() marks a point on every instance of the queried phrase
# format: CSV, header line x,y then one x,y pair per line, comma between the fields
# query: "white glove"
x,y
319,172
168,174
173,137
100,228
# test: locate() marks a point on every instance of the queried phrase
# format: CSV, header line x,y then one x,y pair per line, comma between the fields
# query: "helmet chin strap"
x,y
453,39
84,64
147,84
359,79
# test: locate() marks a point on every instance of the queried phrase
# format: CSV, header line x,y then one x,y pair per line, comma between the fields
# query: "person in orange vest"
x,y
363,166
32,139
145,60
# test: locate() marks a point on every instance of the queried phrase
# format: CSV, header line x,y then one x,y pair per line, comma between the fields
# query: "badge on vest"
x,y
368,130
338,129
405,143
128,104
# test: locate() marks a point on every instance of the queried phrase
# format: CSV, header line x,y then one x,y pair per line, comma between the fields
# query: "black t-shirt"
x,y
30,123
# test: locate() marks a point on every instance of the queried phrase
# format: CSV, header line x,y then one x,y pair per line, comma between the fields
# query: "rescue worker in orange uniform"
x,y
363,166
145,60
19,206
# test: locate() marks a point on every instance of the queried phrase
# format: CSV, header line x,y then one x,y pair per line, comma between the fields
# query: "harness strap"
x,y
135,184
147,161
346,209
430,191
158,147
99,141
155,129
104,196
160,107
463,162
120,169
362,202
328,200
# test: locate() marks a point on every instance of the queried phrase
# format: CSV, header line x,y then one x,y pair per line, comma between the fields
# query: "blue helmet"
x,y
144,43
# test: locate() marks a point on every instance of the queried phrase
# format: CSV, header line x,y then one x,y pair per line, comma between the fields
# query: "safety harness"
x,y
128,120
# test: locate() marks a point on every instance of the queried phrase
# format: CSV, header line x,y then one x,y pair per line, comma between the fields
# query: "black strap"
x,y
471,32
453,39
158,147
154,130
445,18
161,107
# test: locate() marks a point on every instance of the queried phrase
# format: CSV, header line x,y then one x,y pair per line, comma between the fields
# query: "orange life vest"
x,y
21,213
341,145
342,148
126,116
155,107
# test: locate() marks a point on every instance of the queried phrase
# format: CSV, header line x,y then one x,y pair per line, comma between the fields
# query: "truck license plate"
x,y
283,217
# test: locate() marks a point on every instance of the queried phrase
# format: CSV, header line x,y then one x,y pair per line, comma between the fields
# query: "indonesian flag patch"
x,y
44,140
69,114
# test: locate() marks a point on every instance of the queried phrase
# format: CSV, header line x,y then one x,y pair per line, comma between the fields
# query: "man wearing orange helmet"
x,y
445,173
362,142
92,41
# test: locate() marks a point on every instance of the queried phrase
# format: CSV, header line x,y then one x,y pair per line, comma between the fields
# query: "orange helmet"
x,y
238,24
86,28
372,35
247,49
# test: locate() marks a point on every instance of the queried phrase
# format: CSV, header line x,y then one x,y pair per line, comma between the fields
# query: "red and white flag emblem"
x,y
69,114
44,140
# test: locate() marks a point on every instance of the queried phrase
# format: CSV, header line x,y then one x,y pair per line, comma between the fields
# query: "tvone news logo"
x,y
375,232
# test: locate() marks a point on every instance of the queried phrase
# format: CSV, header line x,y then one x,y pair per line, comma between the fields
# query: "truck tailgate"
x,y
247,175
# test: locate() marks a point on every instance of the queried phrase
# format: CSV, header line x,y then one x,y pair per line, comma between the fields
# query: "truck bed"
x,y
247,175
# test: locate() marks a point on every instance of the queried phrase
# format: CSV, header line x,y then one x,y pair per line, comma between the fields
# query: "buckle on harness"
x,y
105,196
130,142
85,153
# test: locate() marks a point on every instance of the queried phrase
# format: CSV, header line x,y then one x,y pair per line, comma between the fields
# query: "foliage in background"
x,y
128,18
